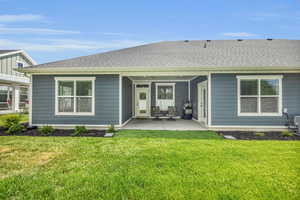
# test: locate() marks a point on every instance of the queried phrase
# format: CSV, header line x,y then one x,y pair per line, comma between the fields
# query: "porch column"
x,y
16,98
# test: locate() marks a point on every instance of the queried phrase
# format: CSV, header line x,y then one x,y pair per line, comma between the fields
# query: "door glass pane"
x,y
143,96
65,104
269,104
84,88
84,104
65,88
269,87
249,105
249,87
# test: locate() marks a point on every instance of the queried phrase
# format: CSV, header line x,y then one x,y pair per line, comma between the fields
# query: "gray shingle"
x,y
217,53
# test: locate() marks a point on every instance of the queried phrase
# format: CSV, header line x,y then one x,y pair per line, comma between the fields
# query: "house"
x,y
230,83
13,84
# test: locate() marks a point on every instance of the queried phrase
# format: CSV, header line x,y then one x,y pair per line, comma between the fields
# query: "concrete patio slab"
x,y
164,124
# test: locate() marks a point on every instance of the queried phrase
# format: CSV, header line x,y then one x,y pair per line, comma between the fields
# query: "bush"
x,y
79,130
286,134
111,129
15,129
10,120
260,134
46,130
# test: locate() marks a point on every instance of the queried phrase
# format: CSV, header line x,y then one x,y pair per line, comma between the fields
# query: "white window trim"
x,y
260,77
164,84
74,79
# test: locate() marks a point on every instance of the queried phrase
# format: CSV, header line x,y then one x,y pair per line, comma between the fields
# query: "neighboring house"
x,y
230,83
13,84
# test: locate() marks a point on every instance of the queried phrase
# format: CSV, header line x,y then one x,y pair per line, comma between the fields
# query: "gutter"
x,y
118,70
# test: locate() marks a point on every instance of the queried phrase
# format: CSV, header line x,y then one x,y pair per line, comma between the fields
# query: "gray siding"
x,y
9,63
224,101
181,95
106,101
194,94
126,99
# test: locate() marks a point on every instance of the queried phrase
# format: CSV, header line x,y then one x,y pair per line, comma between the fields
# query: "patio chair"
x,y
292,123
171,112
156,112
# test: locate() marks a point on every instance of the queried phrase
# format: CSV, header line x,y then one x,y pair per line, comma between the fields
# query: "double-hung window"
x,y
75,95
259,95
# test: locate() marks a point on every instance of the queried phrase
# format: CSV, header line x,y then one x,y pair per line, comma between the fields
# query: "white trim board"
x,y
120,99
247,128
71,126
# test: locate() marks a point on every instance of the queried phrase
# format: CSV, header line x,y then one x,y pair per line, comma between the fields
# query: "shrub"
x,y
10,120
259,134
111,129
286,134
79,130
46,130
15,129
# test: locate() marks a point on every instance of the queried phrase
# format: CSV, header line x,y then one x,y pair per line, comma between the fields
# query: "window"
x,y
165,95
75,96
20,64
23,97
165,92
6,98
259,95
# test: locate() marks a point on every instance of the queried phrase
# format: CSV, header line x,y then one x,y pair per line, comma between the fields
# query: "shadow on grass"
x,y
168,134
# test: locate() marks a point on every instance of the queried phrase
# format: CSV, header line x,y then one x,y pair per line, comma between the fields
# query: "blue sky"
x,y
60,29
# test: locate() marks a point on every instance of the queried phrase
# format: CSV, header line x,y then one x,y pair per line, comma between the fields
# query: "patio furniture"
x,y
156,112
292,123
171,112
187,110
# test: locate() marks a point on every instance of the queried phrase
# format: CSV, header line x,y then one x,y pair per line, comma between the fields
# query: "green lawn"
x,y
24,118
148,165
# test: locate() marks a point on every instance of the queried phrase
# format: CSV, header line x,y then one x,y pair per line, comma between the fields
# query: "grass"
x,y
24,118
148,165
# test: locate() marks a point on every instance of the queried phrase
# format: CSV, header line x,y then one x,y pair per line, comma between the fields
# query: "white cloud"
x,y
240,34
28,30
54,45
21,18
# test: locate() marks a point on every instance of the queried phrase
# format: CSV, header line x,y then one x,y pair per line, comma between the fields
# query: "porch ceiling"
x,y
157,78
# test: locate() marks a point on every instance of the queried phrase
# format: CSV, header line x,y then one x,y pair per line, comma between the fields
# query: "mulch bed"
x,y
57,132
247,135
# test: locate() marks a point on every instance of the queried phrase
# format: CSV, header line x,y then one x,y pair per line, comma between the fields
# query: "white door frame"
x,y
202,109
136,113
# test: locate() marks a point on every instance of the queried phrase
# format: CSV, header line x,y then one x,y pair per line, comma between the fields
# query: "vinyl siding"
x,y
106,101
9,63
181,95
126,99
224,101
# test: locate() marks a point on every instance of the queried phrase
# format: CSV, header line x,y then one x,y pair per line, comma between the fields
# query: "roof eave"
x,y
44,70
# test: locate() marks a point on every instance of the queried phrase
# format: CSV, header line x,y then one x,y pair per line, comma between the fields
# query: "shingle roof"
x,y
6,51
194,53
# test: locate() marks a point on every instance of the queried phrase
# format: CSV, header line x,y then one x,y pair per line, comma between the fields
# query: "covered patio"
x,y
154,96
164,124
